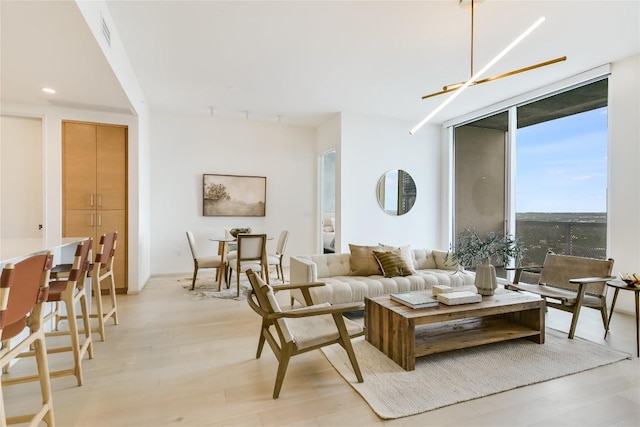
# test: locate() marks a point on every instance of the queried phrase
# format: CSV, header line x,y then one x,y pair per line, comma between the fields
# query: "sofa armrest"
x,y
302,270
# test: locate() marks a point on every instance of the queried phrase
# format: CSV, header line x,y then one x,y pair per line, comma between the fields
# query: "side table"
x,y
619,284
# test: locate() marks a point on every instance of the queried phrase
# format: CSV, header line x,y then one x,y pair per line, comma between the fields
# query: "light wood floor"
x,y
178,361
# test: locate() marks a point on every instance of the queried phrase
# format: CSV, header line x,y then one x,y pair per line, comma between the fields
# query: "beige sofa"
x,y
344,284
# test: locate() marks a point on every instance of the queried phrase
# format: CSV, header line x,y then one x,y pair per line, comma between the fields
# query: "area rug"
x,y
457,376
207,287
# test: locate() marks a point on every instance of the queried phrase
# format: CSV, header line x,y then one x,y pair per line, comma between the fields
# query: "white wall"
x,y
369,147
623,211
186,147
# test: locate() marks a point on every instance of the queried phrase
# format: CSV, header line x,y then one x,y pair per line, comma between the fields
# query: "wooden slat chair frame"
x,y
24,287
568,283
303,329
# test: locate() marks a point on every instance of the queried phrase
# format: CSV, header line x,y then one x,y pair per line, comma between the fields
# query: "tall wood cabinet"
x,y
94,186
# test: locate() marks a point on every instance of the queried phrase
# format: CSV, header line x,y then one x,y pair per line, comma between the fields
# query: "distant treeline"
x,y
600,217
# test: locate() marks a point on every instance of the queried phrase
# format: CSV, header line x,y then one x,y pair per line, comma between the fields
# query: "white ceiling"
x,y
302,61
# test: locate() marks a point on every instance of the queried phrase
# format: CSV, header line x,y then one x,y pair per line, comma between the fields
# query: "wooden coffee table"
x,y
403,333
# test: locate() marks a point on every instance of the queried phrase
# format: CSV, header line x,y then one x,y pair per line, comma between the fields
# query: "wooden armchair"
x,y
302,329
568,283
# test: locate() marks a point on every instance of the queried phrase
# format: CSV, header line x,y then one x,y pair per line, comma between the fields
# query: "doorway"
x,y
328,227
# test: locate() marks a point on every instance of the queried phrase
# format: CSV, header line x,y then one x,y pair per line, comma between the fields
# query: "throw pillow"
x,y
393,264
405,251
444,261
363,262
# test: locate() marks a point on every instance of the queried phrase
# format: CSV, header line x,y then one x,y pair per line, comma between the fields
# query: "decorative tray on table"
x,y
631,279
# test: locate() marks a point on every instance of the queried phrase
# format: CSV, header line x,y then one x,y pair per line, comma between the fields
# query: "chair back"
x,y
22,286
282,242
81,263
106,250
557,270
268,303
192,245
252,247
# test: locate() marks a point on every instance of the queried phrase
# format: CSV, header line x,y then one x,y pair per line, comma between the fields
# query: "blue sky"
x,y
562,164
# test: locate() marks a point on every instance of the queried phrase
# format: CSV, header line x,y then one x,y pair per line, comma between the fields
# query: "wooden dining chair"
x,y
24,287
251,254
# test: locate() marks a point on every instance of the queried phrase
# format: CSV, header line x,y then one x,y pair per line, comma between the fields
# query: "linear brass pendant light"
x,y
457,88
452,87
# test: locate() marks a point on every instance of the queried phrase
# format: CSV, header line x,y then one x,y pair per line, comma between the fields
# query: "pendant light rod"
x,y
476,76
452,87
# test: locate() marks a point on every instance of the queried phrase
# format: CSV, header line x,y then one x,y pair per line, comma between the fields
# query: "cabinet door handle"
x,y
99,220
91,220
91,199
99,199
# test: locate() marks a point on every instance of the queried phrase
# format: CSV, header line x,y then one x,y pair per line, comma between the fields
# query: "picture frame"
x,y
233,195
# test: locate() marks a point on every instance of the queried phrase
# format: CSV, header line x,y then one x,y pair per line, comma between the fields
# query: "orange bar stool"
x,y
23,291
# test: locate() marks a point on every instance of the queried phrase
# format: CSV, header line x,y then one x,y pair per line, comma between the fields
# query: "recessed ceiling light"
x,y
48,90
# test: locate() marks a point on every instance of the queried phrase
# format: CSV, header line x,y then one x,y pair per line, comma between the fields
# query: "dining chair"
x,y
251,254
23,292
211,261
276,258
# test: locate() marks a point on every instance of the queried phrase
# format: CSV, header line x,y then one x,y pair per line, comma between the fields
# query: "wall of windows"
x,y
553,161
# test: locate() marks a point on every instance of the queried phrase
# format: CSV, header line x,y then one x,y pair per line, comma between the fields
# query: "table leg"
x,y
637,323
613,304
221,271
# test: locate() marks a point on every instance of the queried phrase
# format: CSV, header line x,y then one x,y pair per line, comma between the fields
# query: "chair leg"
x,y
45,382
238,281
261,339
75,341
605,317
195,274
285,356
574,321
97,295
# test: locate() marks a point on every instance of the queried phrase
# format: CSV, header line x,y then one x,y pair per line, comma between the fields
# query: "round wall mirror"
x,y
396,192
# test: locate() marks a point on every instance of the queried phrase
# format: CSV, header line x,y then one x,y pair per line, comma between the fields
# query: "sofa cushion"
x,y
393,263
363,262
405,252
444,261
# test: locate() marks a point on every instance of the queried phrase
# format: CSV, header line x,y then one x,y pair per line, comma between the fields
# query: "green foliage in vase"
x,y
235,231
470,249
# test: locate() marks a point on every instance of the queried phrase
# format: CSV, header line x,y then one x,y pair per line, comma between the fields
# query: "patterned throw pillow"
x,y
393,264
363,262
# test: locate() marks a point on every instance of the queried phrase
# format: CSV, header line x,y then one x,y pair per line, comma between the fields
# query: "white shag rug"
x,y
460,375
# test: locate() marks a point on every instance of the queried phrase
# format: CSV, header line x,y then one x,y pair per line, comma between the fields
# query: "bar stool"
x,y
23,292
70,290
103,270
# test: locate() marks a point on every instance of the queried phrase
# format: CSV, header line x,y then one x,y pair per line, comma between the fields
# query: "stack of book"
x,y
415,299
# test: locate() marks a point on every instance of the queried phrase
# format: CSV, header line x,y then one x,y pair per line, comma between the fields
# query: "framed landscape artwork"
x,y
234,195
